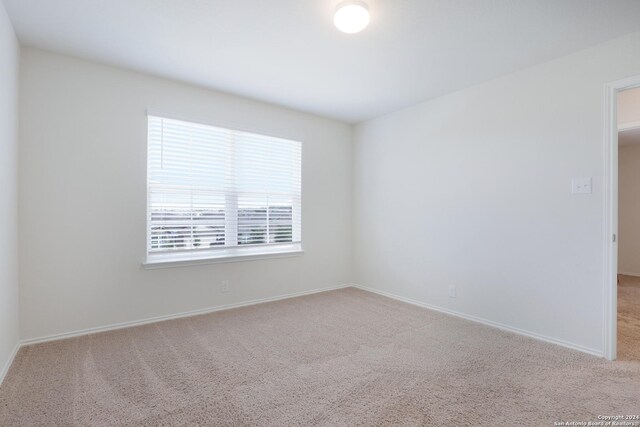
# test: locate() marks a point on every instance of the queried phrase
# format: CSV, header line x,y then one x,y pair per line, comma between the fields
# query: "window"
x,y
219,193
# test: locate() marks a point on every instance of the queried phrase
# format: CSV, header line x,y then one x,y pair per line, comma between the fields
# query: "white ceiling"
x,y
287,52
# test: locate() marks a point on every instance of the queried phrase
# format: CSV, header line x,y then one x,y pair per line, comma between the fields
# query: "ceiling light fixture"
x,y
351,16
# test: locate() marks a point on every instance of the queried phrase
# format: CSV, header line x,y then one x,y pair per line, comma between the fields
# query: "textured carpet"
x,y
628,318
344,357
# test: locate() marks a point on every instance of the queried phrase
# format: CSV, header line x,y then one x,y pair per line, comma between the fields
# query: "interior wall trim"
x,y
629,274
123,325
9,362
483,321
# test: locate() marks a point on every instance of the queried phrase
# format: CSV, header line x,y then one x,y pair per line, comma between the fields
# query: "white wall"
x,y
629,209
473,190
9,62
83,198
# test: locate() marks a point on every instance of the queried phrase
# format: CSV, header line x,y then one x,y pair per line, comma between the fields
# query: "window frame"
x,y
221,254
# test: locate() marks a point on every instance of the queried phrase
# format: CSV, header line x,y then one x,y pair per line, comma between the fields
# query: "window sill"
x,y
247,254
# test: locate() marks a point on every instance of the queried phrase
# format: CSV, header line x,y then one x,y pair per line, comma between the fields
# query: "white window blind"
x,y
213,191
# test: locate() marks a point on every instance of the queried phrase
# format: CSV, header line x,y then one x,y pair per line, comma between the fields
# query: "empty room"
x,y
319,212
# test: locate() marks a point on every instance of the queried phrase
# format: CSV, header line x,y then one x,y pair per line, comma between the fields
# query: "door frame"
x,y
610,289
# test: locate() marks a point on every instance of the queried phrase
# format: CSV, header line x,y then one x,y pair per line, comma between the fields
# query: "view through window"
x,y
211,188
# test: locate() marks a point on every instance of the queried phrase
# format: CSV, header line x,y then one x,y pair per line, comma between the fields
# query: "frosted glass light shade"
x,y
351,17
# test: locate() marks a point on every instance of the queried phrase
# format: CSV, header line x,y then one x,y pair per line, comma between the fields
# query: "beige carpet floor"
x,y
628,318
344,357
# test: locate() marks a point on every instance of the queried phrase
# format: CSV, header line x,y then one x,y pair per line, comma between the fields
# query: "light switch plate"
x,y
581,186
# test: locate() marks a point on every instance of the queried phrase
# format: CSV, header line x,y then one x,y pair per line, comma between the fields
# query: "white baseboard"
x,y
7,365
629,274
497,325
191,313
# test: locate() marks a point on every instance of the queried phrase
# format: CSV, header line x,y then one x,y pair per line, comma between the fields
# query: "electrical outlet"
x,y
224,286
452,291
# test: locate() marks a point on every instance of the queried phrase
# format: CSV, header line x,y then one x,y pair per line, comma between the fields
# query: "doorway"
x,y
620,326
628,122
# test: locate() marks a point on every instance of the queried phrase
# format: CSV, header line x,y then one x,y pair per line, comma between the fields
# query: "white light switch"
x,y
581,186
